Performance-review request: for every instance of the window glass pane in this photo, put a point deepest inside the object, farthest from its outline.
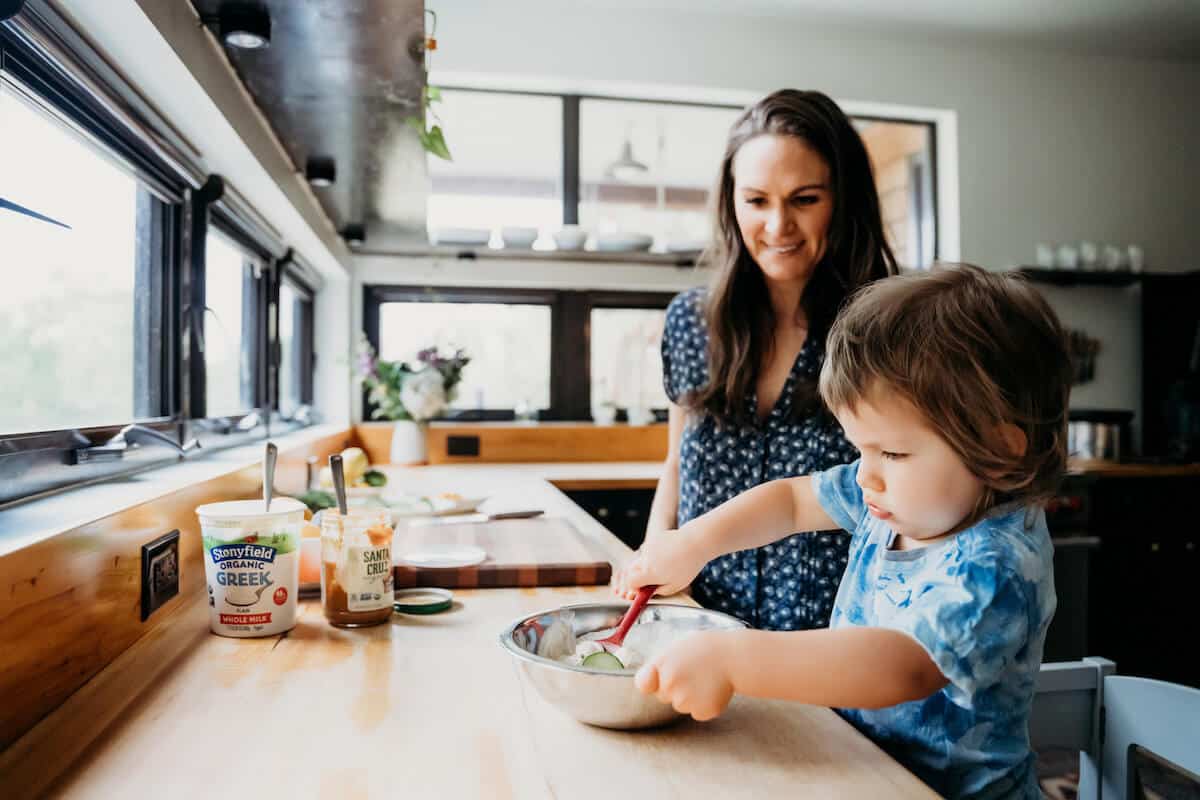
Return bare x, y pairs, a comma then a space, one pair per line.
289, 373
626, 357
902, 159
509, 347
67, 309
680, 148
226, 361
507, 165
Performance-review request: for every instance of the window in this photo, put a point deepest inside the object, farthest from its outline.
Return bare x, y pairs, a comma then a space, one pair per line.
650, 167
105, 321
507, 165
530, 350
228, 327
295, 347
901, 158
626, 358
508, 343
619, 166
67, 325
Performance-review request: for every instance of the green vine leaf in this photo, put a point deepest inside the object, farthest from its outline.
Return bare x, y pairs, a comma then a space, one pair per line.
435, 143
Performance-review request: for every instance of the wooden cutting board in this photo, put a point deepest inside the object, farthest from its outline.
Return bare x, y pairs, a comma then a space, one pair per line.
545, 551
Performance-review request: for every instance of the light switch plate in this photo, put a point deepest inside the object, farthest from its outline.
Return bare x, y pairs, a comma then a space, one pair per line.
160, 572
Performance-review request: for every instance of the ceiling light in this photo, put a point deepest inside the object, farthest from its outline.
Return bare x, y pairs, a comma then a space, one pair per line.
355, 234
244, 25
626, 167
320, 171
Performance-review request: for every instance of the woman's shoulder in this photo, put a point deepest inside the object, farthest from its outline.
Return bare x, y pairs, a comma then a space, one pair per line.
688, 305
685, 344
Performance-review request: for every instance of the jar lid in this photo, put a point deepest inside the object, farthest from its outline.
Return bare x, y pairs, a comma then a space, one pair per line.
422, 601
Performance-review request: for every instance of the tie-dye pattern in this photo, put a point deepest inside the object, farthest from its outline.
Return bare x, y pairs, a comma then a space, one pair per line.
979, 603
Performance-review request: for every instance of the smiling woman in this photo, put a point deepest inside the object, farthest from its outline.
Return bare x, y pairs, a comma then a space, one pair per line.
798, 229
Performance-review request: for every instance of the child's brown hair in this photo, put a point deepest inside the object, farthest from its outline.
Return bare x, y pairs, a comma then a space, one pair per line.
972, 350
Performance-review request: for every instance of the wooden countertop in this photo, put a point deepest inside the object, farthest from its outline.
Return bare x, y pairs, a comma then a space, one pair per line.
423, 706
1114, 469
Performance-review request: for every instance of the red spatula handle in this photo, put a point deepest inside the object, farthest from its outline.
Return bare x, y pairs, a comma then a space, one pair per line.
643, 596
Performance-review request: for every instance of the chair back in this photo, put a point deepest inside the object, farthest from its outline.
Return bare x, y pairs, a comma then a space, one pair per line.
1156, 716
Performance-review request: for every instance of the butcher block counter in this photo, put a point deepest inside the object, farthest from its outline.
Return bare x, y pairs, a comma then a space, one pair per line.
425, 706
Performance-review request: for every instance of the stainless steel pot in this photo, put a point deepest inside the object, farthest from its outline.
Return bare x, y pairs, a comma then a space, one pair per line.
1097, 434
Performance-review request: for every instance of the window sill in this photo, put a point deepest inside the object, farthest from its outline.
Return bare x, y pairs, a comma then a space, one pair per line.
35, 521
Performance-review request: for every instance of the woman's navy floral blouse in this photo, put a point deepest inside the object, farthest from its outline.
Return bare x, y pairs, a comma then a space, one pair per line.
788, 585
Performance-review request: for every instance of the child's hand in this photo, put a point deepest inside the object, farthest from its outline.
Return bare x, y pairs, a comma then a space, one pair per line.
669, 560
690, 675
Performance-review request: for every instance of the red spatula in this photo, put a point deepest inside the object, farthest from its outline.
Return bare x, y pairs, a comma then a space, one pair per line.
618, 636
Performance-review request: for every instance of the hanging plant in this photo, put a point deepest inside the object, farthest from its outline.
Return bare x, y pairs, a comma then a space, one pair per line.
430, 135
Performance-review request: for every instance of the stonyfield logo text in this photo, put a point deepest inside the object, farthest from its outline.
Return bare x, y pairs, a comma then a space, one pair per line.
242, 552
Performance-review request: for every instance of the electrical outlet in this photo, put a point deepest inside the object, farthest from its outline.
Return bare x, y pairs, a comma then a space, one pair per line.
160, 572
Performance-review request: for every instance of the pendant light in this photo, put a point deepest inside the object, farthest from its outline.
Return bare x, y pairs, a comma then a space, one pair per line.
626, 167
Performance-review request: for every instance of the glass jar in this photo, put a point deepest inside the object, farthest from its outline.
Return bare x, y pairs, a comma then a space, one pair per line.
356, 567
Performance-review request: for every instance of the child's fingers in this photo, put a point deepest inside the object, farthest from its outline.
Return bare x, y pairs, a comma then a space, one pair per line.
646, 679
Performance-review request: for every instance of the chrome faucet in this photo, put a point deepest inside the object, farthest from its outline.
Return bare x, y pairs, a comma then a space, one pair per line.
127, 438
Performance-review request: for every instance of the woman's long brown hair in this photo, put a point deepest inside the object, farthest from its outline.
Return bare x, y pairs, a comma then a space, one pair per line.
741, 321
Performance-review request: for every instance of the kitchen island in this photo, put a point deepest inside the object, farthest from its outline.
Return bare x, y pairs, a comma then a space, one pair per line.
425, 706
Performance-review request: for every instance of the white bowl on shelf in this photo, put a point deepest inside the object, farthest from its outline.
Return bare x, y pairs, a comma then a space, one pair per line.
570, 237
470, 237
623, 242
518, 237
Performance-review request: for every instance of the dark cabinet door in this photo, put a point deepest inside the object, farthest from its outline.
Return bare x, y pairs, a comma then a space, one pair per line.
1068, 636
624, 512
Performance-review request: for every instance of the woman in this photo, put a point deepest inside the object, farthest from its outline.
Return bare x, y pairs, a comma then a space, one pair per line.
798, 230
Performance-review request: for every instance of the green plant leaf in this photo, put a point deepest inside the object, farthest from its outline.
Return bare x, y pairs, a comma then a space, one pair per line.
435, 143
416, 123
433, 94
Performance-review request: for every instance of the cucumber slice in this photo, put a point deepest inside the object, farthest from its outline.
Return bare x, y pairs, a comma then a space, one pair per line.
603, 660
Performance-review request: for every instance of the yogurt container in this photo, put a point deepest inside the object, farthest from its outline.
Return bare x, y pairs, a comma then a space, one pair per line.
252, 565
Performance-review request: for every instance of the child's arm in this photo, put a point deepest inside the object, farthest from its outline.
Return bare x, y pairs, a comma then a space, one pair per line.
762, 515
846, 667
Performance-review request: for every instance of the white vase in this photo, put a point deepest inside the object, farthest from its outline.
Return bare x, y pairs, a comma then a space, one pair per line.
408, 443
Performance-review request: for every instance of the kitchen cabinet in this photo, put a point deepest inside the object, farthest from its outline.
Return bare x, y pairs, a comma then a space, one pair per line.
624, 512
1133, 592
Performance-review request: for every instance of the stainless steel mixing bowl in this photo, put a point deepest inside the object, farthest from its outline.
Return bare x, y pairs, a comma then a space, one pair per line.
598, 697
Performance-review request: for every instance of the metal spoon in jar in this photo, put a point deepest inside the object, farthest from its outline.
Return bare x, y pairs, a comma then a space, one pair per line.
339, 482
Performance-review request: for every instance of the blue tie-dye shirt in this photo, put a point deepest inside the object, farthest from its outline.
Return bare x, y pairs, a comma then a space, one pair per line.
979, 603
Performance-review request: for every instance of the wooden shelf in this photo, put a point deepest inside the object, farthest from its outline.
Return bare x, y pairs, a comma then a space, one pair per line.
688, 259
1079, 277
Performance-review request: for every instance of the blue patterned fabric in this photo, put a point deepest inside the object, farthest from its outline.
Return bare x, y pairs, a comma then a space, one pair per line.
979, 603
788, 585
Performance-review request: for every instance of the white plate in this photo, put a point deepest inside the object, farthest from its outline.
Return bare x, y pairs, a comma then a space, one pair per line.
475, 237
451, 556
408, 507
686, 245
623, 242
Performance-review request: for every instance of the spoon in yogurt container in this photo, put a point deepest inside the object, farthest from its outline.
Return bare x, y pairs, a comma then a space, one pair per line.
269, 459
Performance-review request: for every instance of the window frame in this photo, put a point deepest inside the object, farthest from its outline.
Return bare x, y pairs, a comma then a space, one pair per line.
306, 359
571, 142
47, 62
570, 338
